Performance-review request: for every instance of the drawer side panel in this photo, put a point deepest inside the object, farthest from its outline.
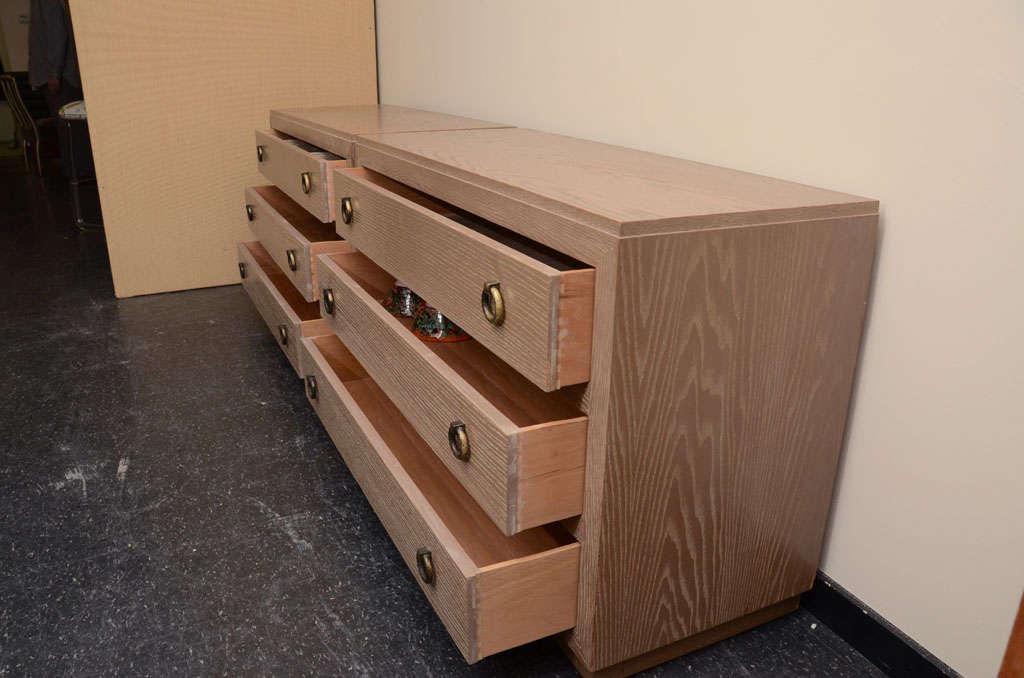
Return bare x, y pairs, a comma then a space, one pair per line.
394, 502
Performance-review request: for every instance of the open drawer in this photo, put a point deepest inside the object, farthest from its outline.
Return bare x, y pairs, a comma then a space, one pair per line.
518, 450
287, 314
301, 170
530, 305
291, 235
492, 592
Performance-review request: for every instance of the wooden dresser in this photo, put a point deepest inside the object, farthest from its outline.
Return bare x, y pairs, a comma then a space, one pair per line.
637, 448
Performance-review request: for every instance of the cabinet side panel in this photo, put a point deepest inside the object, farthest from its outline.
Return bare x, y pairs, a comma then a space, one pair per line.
731, 375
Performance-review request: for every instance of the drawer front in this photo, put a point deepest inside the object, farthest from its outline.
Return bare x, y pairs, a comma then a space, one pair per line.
282, 319
486, 608
548, 312
300, 170
290, 235
522, 476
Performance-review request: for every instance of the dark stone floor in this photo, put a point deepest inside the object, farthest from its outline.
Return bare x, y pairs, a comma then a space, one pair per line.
170, 505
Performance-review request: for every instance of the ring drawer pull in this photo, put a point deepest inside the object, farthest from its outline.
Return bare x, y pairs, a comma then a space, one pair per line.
328, 298
293, 261
282, 333
311, 386
259, 153
250, 212
425, 564
241, 269
306, 180
346, 210
492, 303
458, 440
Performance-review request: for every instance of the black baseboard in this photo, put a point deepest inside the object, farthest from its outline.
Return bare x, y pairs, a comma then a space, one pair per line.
865, 630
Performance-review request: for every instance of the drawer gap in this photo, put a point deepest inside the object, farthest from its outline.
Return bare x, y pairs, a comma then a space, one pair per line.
308, 226
524, 403
315, 151
531, 248
482, 541
305, 310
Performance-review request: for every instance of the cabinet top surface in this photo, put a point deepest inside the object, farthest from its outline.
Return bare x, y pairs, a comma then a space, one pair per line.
620, 190
348, 121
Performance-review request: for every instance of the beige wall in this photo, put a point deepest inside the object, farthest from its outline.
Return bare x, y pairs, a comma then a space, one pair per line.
919, 104
174, 90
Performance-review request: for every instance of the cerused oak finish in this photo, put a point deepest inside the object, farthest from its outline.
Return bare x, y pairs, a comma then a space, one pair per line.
491, 591
525, 466
289, 317
336, 128
705, 360
302, 171
727, 319
764, 326
548, 300
688, 644
291, 236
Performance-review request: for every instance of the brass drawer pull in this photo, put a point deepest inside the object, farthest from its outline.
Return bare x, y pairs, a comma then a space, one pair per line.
241, 269
307, 182
311, 386
425, 564
346, 210
250, 212
259, 153
293, 261
328, 298
492, 303
282, 333
458, 440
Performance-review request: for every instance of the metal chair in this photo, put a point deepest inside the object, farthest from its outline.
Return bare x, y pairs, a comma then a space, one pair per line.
28, 127
71, 113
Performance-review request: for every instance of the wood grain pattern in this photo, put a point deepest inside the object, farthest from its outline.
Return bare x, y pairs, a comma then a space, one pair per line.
522, 474
1013, 660
281, 224
512, 601
556, 230
725, 320
730, 381
686, 645
175, 90
278, 302
546, 335
574, 326
482, 576
304, 310
548, 473
613, 189
404, 511
334, 128
283, 163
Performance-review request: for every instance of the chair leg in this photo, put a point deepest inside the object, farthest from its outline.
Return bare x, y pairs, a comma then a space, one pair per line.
24, 153
39, 157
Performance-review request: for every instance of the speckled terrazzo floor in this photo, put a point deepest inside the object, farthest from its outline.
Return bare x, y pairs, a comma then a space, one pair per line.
170, 505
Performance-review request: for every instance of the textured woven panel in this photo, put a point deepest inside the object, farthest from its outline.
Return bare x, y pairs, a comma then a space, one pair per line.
174, 91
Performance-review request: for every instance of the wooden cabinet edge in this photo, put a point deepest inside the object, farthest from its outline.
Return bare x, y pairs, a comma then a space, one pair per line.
517, 601
544, 461
333, 142
575, 327
548, 473
507, 603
